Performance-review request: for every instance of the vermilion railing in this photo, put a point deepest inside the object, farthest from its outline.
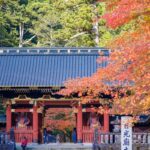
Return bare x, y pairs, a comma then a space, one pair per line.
21, 132
88, 134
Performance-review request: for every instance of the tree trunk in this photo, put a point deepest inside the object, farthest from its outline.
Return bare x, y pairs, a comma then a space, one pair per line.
95, 26
21, 33
51, 37
96, 32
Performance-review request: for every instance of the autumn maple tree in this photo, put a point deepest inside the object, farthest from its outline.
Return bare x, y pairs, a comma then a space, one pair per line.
126, 78
60, 119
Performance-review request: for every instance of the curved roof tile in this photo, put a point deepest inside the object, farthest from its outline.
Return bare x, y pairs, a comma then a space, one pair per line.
46, 69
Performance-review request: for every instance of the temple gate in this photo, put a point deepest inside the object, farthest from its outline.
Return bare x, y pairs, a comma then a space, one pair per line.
30, 79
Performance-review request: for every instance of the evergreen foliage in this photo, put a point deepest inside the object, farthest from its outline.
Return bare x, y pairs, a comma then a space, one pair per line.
40, 23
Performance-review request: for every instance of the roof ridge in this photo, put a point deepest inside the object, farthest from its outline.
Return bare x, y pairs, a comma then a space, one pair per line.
82, 50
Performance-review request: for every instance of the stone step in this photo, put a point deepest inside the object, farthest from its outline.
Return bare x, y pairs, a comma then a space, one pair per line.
71, 146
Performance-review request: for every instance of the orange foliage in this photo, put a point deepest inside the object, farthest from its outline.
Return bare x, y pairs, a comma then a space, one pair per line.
60, 119
129, 62
125, 10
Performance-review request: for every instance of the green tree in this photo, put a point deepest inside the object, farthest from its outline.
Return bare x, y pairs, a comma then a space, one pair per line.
72, 23
19, 17
66, 24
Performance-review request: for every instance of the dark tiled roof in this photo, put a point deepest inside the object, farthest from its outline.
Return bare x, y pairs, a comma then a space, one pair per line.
46, 67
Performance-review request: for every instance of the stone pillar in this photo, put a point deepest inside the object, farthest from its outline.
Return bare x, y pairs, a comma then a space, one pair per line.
35, 124
8, 118
79, 124
106, 120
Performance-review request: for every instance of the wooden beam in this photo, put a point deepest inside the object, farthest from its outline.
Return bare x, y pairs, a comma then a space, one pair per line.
56, 102
88, 110
21, 102
21, 110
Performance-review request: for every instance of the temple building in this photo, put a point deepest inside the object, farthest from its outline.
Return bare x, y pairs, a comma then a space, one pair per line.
30, 79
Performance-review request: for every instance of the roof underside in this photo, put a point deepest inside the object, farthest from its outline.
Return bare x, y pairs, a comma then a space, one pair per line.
46, 69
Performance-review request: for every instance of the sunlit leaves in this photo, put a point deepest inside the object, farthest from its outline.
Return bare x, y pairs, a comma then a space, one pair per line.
61, 119
126, 79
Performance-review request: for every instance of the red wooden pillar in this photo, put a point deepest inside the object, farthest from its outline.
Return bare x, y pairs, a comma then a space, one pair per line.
8, 118
35, 124
79, 124
106, 120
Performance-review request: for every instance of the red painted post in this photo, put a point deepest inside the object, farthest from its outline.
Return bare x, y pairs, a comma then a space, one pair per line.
106, 120
35, 124
79, 124
8, 118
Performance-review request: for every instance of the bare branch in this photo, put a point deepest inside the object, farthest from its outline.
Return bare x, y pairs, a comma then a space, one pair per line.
27, 41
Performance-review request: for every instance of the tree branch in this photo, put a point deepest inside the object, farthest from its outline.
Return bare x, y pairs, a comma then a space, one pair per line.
27, 41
